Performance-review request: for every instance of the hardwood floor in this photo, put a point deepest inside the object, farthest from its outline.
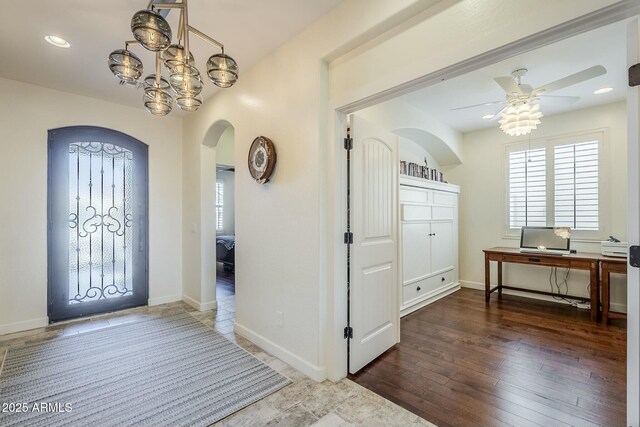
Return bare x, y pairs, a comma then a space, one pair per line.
225, 282
518, 361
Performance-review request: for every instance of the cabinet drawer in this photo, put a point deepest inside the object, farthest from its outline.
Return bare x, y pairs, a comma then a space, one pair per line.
412, 212
440, 198
442, 212
426, 286
415, 195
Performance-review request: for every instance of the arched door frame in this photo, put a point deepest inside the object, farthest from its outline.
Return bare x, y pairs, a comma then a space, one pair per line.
208, 176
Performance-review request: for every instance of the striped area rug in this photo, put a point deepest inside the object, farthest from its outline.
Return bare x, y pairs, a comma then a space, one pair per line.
169, 371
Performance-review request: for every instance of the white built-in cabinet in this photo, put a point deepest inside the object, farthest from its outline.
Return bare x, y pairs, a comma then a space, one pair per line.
428, 241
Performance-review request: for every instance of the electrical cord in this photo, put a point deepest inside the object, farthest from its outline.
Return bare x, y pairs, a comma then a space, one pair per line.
556, 286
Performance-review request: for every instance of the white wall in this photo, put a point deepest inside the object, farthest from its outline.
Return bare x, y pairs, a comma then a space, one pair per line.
405, 120
411, 152
225, 148
26, 114
481, 178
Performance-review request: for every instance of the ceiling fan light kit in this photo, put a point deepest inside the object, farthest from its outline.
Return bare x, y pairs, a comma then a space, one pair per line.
520, 120
152, 31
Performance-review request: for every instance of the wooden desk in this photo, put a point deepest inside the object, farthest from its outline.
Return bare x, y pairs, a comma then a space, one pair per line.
610, 265
579, 261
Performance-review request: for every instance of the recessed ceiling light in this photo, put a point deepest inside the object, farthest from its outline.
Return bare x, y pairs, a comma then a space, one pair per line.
57, 41
603, 90
488, 116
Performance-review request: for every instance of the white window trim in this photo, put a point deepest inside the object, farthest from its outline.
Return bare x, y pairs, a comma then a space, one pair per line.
604, 182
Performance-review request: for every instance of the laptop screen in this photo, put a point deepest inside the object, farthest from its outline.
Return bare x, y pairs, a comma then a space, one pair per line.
545, 238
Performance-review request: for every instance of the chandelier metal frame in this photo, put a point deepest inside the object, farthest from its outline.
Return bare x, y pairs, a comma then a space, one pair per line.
152, 31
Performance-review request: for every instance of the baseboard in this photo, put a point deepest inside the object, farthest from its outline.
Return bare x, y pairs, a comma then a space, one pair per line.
316, 373
440, 293
211, 305
622, 308
10, 328
163, 300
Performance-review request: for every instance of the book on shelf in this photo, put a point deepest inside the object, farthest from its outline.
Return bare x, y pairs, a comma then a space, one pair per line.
419, 171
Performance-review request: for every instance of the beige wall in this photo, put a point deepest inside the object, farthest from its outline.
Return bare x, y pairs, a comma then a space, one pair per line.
481, 178
26, 113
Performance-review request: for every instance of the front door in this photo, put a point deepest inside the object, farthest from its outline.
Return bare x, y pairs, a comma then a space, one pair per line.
374, 254
97, 220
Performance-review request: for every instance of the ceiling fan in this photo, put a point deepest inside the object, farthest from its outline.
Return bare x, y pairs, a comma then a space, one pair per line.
521, 112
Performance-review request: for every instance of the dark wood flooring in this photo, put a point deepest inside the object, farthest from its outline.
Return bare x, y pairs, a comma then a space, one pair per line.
225, 282
518, 361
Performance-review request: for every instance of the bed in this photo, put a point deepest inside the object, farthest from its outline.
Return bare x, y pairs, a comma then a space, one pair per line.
225, 251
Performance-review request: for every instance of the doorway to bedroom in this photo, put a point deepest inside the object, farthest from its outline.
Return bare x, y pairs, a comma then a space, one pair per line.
225, 219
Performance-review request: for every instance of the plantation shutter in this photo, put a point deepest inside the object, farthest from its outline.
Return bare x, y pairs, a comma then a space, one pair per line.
576, 186
219, 205
527, 188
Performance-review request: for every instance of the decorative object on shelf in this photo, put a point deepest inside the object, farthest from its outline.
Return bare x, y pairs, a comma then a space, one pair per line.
152, 31
262, 159
520, 110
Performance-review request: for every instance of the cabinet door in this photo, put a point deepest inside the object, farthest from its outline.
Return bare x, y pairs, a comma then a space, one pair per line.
442, 246
415, 250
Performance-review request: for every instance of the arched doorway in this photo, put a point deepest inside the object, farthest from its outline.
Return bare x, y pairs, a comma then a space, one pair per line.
218, 214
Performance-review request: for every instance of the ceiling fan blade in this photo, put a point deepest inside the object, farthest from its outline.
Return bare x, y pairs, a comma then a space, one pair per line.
573, 79
479, 105
568, 99
497, 116
508, 84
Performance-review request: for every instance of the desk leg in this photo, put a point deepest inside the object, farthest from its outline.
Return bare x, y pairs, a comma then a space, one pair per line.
605, 296
594, 284
499, 279
487, 278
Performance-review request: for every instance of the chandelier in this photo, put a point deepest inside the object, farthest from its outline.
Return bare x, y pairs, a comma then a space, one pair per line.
520, 119
184, 85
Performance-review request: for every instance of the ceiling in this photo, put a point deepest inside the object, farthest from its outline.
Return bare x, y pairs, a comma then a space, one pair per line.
249, 29
605, 46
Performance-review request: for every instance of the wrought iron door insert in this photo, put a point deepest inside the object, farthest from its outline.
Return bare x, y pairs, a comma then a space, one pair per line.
97, 182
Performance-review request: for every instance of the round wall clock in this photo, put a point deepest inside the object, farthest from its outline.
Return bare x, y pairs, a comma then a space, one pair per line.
262, 159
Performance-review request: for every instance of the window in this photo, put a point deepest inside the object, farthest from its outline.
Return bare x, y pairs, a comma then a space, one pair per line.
219, 205
558, 183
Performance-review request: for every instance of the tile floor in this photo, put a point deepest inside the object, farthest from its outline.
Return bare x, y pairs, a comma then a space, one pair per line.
303, 403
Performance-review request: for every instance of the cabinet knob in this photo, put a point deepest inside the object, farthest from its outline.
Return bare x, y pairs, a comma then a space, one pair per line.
442, 279
418, 288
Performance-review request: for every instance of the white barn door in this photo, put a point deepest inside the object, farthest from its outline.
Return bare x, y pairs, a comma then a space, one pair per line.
375, 316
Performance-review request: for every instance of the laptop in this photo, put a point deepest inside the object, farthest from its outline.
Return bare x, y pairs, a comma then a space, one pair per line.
545, 240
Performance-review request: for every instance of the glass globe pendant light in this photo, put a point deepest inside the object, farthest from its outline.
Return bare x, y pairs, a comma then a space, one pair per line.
185, 80
189, 103
157, 99
222, 70
173, 57
151, 30
125, 65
